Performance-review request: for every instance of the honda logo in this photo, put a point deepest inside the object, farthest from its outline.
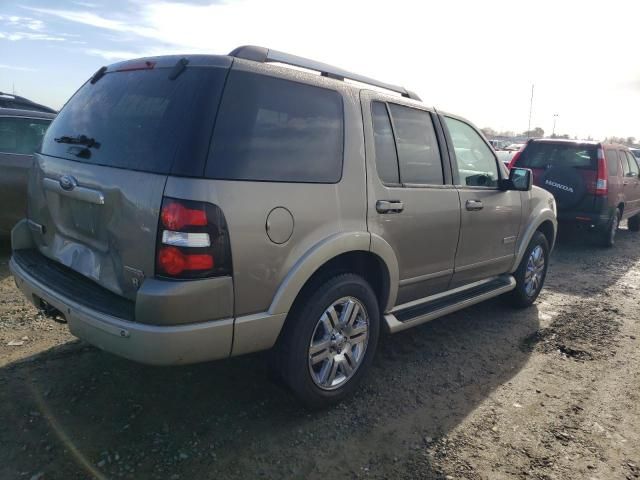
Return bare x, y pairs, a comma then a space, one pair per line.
67, 182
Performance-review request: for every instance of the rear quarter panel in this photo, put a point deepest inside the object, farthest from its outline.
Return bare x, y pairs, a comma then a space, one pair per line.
320, 211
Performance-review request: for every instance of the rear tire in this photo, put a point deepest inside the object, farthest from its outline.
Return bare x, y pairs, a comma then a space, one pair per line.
608, 239
330, 340
634, 223
531, 272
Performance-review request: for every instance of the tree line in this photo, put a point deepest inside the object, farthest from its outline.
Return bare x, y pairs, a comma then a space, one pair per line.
539, 133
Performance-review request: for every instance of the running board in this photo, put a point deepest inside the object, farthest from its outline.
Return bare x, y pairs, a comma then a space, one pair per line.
421, 311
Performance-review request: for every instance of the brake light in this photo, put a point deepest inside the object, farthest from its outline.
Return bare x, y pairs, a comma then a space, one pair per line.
130, 66
601, 180
193, 240
176, 216
515, 157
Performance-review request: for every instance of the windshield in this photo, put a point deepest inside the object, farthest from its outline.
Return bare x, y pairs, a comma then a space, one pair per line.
140, 120
547, 155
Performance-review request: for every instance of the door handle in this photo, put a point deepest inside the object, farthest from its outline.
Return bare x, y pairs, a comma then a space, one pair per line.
473, 205
389, 206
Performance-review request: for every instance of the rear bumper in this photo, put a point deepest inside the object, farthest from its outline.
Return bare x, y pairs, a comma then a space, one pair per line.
150, 344
585, 219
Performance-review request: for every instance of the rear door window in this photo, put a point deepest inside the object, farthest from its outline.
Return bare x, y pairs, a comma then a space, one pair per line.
625, 163
141, 120
633, 166
477, 165
418, 152
612, 162
385, 148
20, 135
270, 129
544, 155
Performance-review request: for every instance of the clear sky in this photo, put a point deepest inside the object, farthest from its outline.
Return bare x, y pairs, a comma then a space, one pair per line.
474, 58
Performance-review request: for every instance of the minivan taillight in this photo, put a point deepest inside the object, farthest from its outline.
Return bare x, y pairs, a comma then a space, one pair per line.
601, 181
193, 240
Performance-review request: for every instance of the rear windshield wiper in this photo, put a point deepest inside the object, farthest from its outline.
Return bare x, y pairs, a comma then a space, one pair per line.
79, 140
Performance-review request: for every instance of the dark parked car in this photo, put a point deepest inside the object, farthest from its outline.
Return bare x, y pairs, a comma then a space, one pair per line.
595, 185
21, 133
8, 100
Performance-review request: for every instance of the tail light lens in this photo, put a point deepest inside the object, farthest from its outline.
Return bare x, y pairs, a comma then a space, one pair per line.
601, 181
600, 187
193, 240
515, 157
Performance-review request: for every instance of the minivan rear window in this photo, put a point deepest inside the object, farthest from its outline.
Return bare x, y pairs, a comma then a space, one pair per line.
20, 135
270, 129
140, 120
547, 155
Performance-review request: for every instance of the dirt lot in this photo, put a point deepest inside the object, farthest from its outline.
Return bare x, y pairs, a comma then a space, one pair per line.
551, 392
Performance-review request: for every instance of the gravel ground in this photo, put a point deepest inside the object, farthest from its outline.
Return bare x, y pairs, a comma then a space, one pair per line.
550, 392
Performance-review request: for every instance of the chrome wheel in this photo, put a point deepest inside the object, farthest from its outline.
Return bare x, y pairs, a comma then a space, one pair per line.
338, 343
535, 271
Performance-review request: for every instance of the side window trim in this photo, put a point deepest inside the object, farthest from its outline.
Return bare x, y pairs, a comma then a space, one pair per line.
395, 145
454, 160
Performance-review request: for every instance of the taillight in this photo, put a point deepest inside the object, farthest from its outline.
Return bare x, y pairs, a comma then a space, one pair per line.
601, 180
515, 157
193, 240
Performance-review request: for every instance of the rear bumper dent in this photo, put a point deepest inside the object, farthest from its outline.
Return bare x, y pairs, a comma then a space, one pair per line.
150, 344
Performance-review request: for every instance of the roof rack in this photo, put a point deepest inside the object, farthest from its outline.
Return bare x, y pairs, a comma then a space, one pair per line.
263, 55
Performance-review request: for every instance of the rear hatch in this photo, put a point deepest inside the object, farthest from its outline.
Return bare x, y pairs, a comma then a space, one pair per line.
98, 182
569, 170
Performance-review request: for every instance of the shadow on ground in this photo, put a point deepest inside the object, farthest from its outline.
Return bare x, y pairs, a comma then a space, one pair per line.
76, 412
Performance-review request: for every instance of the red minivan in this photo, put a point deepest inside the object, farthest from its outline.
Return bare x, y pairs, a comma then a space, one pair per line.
595, 185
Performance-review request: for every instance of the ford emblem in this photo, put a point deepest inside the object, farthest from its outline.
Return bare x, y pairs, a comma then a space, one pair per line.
67, 182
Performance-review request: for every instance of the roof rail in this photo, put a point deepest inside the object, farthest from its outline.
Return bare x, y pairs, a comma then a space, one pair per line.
263, 55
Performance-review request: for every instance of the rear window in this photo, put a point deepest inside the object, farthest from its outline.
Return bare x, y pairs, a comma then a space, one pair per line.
547, 155
21, 135
141, 120
270, 129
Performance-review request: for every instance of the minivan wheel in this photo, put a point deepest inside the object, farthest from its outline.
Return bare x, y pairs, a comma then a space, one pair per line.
634, 223
609, 235
531, 272
330, 340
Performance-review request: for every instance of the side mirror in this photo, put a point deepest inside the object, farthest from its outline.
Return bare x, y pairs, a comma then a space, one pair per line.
520, 179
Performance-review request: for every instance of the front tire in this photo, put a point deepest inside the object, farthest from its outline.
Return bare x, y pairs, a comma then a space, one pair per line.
531, 272
330, 340
634, 223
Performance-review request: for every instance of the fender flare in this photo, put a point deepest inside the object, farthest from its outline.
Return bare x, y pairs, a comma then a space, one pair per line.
324, 251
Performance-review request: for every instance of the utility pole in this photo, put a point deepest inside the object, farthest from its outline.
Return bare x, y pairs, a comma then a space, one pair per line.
553, 134
530, 111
